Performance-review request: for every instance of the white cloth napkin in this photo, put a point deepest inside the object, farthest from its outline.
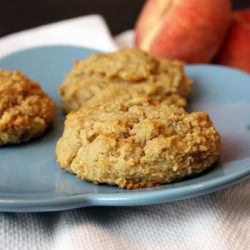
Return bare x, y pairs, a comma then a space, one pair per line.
89, 31
217, 221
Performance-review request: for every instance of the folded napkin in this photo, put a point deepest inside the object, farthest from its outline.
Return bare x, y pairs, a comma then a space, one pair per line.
89, 31
217, 221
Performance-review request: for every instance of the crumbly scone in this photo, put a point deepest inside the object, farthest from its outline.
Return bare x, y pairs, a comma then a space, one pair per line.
25, 110
138, 145
98, 79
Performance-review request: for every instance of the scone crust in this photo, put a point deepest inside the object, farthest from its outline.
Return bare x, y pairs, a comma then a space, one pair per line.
137, 146
25, 110
131, 72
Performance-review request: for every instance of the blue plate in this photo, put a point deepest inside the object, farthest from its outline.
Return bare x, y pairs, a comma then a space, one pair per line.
30, 178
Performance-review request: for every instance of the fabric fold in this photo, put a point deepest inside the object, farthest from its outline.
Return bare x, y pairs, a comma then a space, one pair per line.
88, 31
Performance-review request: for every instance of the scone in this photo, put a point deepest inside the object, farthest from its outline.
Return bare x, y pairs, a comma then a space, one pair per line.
137, 146
25, 110
99, 78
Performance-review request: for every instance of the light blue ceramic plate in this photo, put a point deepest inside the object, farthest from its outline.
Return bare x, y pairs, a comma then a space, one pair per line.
30, 179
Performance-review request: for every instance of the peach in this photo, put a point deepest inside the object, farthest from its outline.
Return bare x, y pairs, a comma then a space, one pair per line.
235, 51
189, 30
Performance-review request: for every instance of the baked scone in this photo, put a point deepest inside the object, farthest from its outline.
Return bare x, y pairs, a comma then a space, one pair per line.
25, 110
99, 78
136, 146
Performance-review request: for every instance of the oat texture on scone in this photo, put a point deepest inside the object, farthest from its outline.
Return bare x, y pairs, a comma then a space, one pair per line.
126, 74
137, 146
25, 110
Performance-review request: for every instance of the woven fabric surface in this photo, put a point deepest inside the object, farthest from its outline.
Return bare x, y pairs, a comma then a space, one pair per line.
217, 221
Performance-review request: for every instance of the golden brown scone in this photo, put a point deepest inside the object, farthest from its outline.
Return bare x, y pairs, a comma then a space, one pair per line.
25, 110
99, 78
137, 146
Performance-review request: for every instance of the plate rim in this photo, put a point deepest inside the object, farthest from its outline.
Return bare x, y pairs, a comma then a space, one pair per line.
141, 197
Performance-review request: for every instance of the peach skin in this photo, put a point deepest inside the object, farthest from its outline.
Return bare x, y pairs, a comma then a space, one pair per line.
235, 51
189, 30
